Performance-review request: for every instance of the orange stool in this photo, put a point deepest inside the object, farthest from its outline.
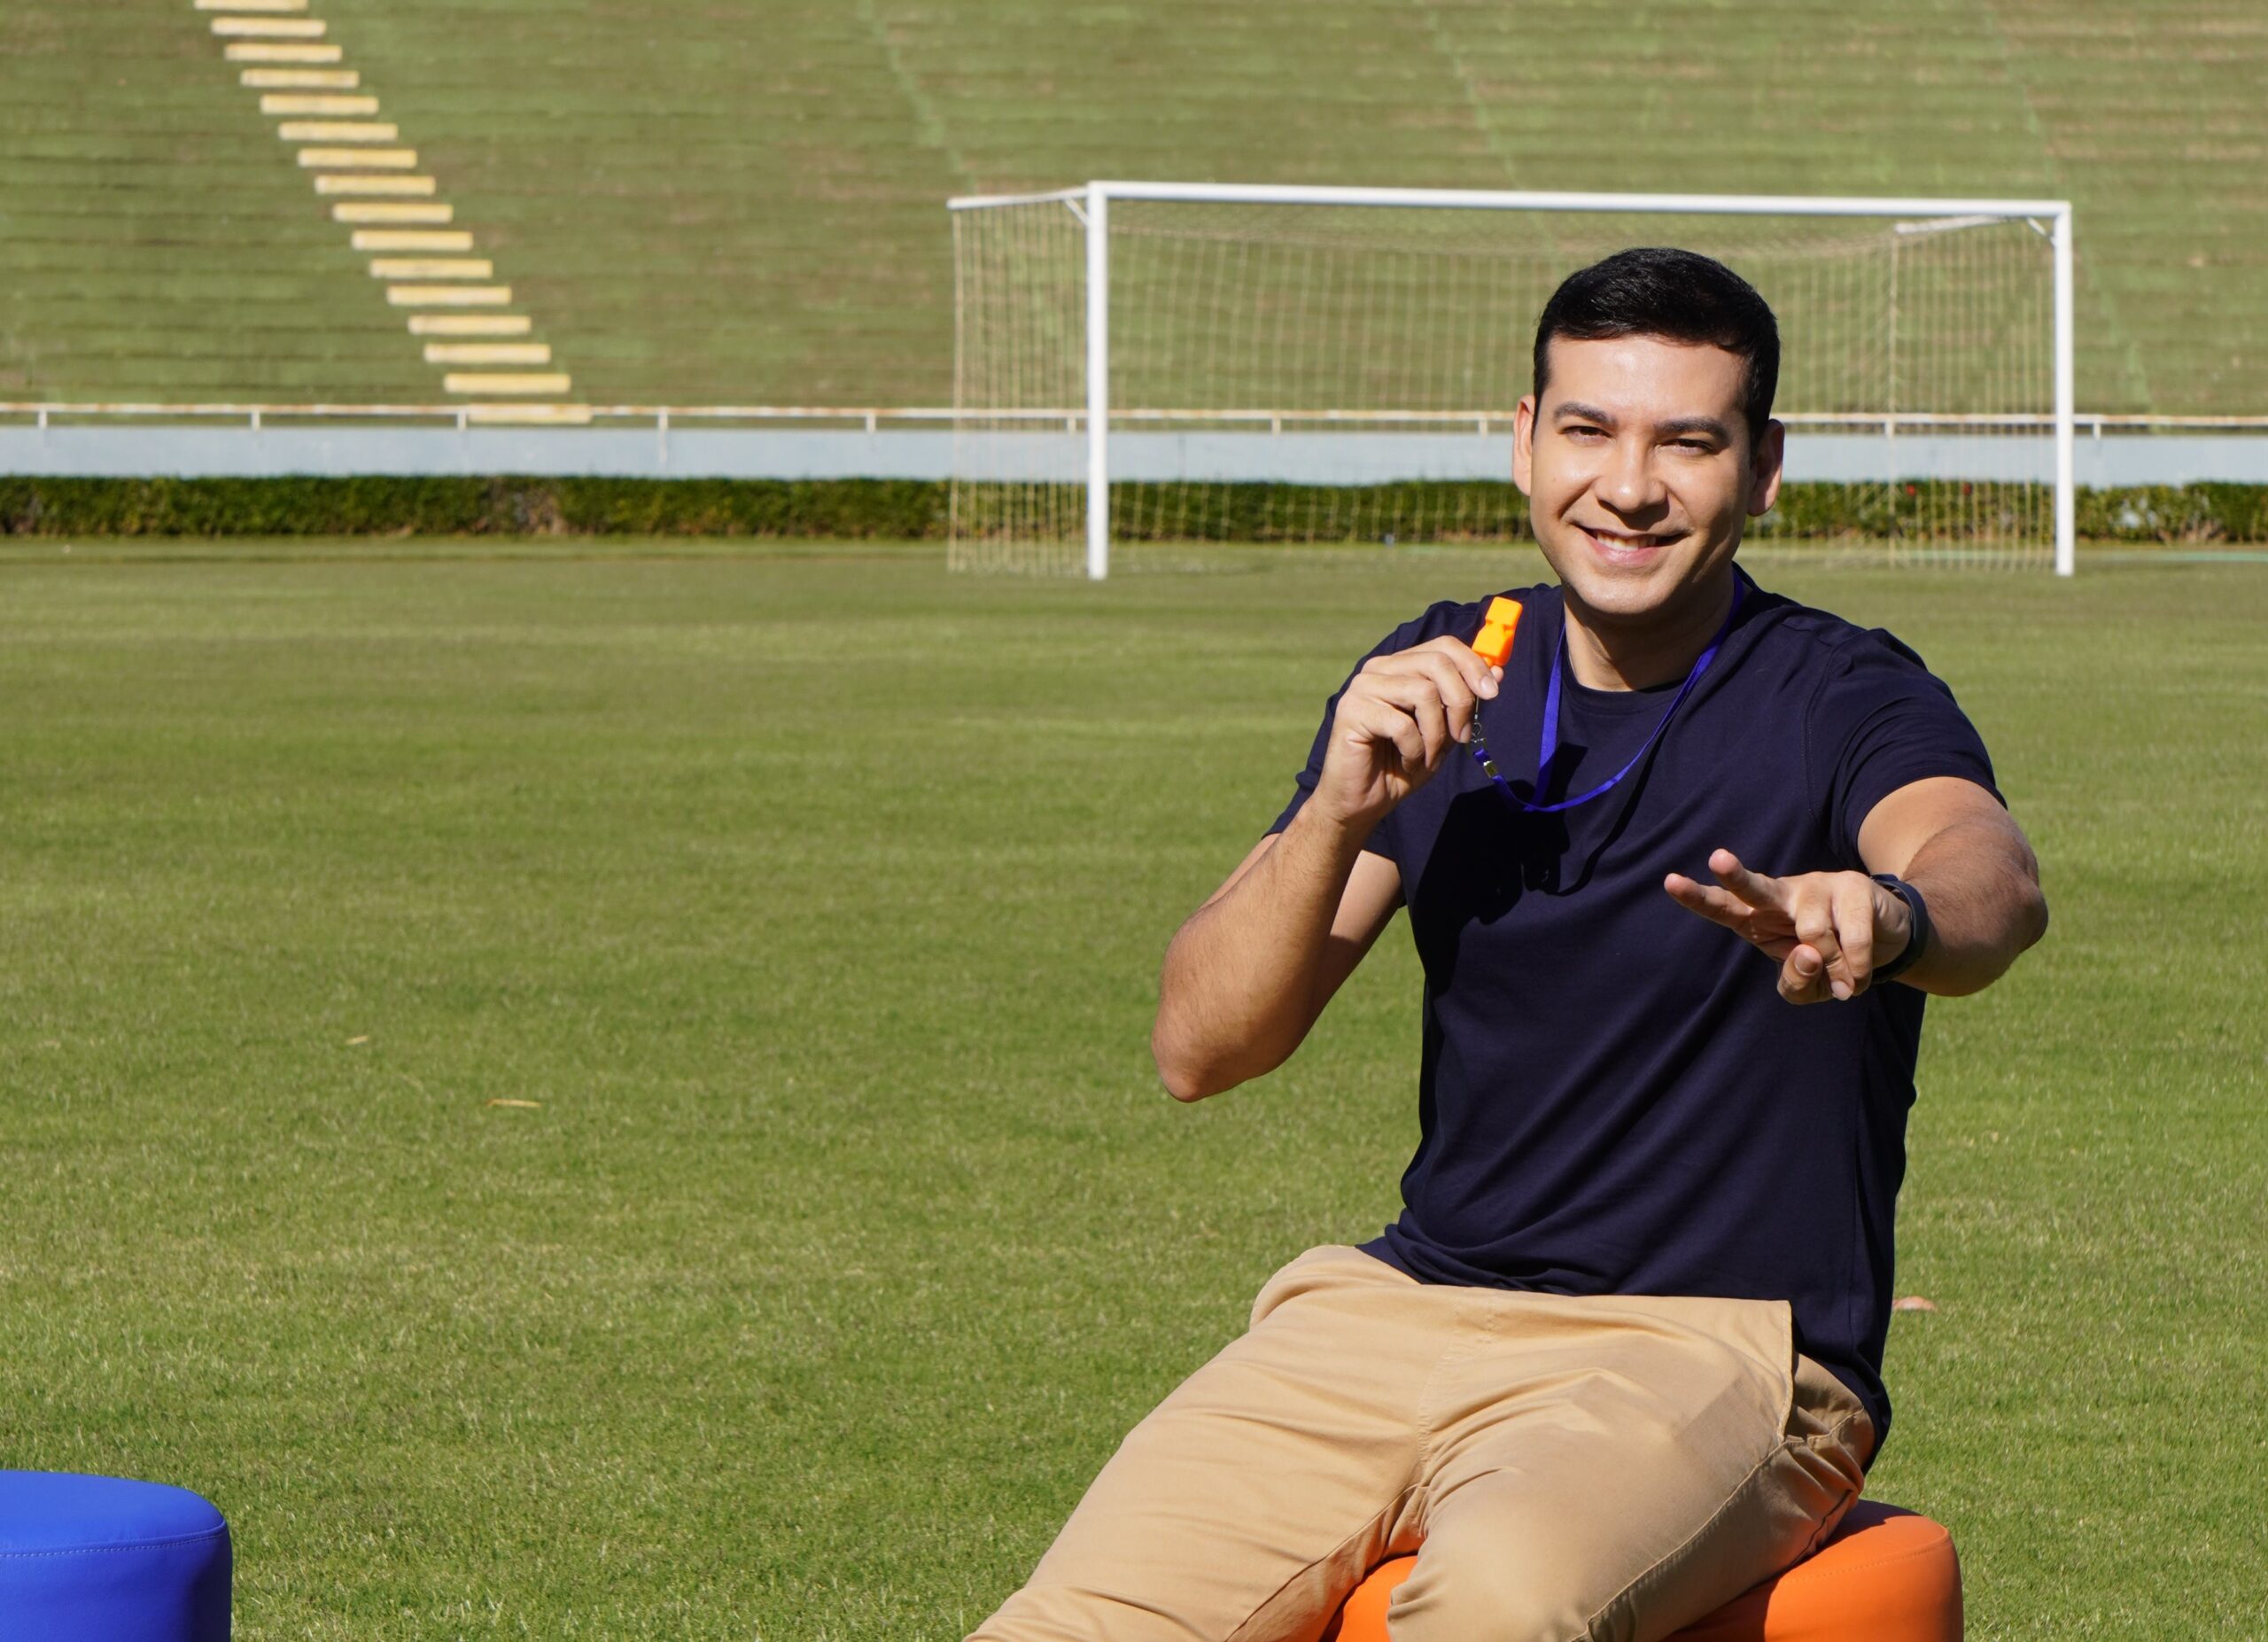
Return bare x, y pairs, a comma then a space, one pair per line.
1884, 1576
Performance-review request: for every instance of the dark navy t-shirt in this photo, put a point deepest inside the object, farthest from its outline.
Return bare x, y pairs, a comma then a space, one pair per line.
1612, 1096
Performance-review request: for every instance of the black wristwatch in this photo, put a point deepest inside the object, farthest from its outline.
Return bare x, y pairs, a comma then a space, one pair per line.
1917, 939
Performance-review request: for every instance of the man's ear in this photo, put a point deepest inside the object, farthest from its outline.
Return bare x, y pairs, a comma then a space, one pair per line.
1764, 472
1524, 444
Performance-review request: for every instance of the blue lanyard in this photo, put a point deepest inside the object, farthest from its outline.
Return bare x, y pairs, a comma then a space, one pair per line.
1549, 747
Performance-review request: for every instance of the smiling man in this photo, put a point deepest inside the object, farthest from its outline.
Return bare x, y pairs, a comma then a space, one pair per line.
1621, 1356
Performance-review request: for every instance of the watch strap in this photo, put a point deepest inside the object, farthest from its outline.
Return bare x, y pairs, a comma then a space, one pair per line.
1917, 940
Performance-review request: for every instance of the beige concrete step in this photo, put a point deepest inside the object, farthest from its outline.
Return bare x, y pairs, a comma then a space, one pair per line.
432, 268
316, 103
299, 79
252, 5
506, 384
337, 131
488, 352
469, 324
270, 27
423, 211
398, 187
413, 239
260, 51
449, 296
528, 416
361, 158
529, 382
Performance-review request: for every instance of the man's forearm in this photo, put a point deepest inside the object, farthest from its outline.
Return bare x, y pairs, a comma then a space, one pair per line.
1239, 986
1981, 884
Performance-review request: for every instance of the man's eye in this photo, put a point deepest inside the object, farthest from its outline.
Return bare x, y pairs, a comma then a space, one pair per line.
1583, 432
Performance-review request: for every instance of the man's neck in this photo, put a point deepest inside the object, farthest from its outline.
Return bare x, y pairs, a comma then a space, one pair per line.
1608, 654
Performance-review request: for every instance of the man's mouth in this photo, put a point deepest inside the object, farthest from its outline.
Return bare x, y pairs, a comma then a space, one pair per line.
1627, 547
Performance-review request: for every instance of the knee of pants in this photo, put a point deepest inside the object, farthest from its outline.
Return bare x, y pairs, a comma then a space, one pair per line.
1467, 1588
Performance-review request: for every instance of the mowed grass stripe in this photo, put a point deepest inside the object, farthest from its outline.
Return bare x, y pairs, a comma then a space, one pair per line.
817, 897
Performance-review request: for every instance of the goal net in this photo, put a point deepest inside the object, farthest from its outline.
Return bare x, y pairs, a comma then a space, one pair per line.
1143, 364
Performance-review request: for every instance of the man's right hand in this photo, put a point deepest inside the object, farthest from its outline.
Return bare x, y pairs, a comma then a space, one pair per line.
1252, 969
1398, 720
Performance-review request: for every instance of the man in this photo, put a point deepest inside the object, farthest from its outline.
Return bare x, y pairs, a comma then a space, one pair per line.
1620, 1359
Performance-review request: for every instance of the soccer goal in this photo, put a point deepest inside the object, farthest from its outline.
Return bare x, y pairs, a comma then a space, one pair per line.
1160, 362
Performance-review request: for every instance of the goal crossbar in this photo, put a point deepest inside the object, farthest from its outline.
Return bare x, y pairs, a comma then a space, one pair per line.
1531, 199
1090, 203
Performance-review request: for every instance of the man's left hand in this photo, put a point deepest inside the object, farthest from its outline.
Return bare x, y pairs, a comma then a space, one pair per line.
1830, 930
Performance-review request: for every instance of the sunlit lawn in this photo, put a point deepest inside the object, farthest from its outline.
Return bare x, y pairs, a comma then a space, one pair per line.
805, 909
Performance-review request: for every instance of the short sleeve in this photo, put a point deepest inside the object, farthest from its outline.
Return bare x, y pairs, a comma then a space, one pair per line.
1881, 720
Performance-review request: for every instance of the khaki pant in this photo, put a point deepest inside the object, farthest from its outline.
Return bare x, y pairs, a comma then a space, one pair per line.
1564, 1467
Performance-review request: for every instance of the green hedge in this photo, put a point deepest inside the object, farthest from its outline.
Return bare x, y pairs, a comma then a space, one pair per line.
917, 510
2164, 514
899, 509
2206, 512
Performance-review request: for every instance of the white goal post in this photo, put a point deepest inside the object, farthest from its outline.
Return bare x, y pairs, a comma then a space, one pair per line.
1192, 361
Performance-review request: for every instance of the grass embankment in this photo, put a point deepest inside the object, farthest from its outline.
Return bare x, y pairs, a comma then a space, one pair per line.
739, 203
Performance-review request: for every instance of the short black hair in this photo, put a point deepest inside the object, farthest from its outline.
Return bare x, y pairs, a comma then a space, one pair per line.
1656, 290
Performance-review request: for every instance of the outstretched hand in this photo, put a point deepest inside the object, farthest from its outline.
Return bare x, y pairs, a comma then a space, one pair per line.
1830, 930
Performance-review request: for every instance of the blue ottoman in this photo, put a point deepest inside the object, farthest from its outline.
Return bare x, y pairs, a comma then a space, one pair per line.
98, 1558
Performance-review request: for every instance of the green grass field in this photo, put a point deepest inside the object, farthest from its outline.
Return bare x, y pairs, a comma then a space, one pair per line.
737, 201
816, 898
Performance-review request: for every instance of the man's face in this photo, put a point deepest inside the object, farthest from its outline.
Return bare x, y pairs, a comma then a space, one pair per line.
1639, 470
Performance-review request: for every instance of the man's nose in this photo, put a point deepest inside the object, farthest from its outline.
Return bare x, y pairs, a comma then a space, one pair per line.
1631, 485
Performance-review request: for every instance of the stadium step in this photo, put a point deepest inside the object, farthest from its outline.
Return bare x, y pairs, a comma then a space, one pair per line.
299, 79
505, 382
413, 239
368, 158
270, 27
542, 416
432, 268
449, 296
420, 186
337, 131
263, 52
391, 211
488, 352
469, 324
280, 103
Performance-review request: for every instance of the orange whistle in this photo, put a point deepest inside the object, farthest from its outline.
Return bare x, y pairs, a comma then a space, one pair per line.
1494, 644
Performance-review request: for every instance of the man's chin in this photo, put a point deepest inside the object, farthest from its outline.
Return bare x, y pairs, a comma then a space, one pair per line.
1627, 585
1623, 588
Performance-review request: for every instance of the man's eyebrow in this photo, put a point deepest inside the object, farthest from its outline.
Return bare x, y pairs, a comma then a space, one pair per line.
1569, 410
1695, 424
